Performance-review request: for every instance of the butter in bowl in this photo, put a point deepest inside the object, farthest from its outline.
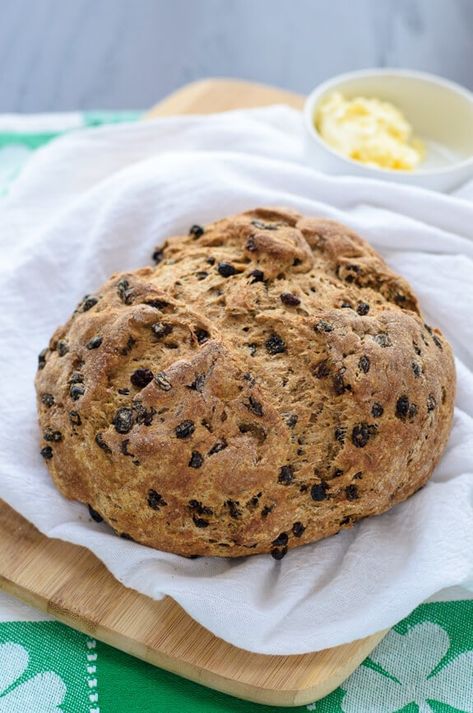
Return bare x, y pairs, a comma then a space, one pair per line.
394, 125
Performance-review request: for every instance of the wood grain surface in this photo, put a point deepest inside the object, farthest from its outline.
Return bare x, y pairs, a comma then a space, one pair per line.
208, 96
112, 54
70, 583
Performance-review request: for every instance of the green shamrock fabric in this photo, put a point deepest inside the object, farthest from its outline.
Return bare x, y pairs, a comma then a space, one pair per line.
423, 665
18, 139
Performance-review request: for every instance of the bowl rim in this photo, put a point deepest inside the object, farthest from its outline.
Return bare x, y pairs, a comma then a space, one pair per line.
442, 82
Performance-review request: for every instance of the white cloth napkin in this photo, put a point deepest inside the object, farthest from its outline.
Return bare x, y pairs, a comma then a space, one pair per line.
98, 201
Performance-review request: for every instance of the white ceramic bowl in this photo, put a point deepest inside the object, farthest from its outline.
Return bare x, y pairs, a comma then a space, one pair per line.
440, 112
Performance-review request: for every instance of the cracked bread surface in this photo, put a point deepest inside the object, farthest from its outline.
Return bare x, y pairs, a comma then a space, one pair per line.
269, 382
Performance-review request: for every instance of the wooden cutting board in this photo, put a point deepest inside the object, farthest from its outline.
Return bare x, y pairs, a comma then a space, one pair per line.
70, 583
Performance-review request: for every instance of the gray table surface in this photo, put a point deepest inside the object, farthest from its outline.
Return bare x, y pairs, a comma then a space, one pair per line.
124, 54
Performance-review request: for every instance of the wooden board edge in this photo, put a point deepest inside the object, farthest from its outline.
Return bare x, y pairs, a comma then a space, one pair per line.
227, 685
224, 94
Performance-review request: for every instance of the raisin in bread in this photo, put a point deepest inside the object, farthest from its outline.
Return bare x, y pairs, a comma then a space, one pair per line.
268, 383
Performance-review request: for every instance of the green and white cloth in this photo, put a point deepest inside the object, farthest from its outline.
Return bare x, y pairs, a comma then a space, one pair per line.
21, 134
424, 664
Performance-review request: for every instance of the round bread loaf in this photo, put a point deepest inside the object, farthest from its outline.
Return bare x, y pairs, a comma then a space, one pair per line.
269, 382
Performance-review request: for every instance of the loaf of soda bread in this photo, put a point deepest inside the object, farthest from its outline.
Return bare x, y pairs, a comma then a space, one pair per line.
267, 383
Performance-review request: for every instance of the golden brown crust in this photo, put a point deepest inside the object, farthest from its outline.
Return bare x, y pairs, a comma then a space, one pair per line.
268, 383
